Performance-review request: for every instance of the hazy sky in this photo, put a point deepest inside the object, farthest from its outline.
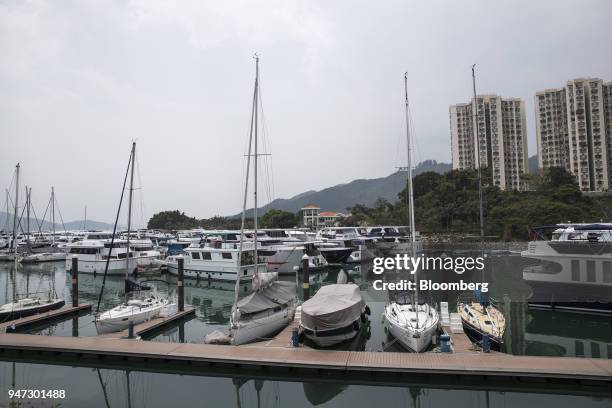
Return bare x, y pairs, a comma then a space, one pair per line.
80, 79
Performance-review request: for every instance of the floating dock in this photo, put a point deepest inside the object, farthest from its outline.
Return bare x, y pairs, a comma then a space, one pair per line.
495, 371
276, 359
65, 311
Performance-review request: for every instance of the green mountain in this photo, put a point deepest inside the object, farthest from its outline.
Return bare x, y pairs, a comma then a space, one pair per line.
363, 191
46, 226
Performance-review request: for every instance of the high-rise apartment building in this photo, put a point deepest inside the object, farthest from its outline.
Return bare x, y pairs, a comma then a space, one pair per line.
502, 138
574, 131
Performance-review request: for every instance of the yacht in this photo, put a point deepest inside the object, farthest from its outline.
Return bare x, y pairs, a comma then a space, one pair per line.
218, 262
573, 270
94, 254
393, 240
28, 306
134, 310
364, 247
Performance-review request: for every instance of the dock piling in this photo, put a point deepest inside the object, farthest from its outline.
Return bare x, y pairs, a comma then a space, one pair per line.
181, 288
305, 278
75, 281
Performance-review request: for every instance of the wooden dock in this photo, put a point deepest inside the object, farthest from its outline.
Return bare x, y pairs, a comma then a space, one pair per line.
495, 371
65, 311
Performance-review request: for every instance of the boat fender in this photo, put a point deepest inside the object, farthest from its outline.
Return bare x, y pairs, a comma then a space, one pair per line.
356, 325
363, 318
367, 310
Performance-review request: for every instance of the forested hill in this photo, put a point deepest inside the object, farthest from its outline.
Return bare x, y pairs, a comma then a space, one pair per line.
362, 191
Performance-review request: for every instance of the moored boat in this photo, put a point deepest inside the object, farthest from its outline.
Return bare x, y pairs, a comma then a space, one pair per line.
334, 314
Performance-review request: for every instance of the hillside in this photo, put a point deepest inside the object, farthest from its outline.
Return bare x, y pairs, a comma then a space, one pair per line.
71, 225
362, 191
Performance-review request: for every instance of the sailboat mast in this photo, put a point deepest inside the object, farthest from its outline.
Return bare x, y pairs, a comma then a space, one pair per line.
6, 220
256, 109
28, 191
129, 219
244, 200
15, 213
477, 155
53, 214
411, 196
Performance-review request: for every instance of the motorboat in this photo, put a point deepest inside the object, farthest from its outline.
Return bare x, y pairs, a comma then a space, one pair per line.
334, 314
572, 271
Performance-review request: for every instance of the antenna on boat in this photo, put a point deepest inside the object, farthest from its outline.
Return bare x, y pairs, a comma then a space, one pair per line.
15, 215
411, 197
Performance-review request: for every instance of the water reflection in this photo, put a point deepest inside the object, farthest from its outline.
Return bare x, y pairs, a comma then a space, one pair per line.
98, 387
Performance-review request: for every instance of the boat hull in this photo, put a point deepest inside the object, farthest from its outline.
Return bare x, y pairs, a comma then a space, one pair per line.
475, 335
17, 314
263, 327
219, 273
121, 323
328, 338
407, 338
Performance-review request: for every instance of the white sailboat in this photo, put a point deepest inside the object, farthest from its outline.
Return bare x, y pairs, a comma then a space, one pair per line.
134, 310
272, 304
410, 321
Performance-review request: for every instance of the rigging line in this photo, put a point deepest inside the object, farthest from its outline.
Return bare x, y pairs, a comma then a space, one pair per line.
140, 194
127, 171
59, 212
45, 214
269, 173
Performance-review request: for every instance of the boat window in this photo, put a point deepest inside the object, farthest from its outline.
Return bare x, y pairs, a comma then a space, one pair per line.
595, 353
607, 271
195, 255
550, 267
206, 256
226, 255
590, 271
487, 322
470, 314
575, 270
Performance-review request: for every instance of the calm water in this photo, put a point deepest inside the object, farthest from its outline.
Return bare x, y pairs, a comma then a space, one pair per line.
529, 332
89, 387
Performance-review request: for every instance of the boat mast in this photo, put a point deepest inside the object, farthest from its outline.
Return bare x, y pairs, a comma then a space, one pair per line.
129, 220
244, 202
53, 214
28, 191
477, 155
411, 197
15, 213
255, 111
6, 220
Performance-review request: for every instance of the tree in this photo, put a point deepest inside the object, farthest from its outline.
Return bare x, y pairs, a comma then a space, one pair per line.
172, 220
279, 219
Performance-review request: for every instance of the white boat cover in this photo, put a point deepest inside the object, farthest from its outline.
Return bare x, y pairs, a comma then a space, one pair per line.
332, 307
275, 294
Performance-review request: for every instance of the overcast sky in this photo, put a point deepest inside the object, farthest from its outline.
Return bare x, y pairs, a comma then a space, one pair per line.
80, 79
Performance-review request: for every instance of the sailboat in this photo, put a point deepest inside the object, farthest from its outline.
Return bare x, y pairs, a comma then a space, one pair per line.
131, 310
51, 256
27, 305
272, 304
479, 316
411, 321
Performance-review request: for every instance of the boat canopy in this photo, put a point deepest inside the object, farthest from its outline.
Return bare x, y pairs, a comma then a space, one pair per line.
593, 227
332, 307
275, 294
